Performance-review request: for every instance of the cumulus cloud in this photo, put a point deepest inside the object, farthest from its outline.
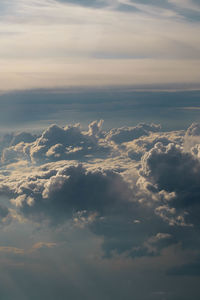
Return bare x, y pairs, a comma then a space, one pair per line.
12, 139
176, 173
125, 134
57, 143
103, 200
137, 207
192, 136
193, 130
72, 189
91, 196
25, 137
138, 147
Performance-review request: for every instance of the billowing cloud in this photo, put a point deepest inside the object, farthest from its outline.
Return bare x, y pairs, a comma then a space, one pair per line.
192, 138
100, 194
138, 147
57, 143
138, 206
193, 130
173, 176
89, 196
125, 134
72, 189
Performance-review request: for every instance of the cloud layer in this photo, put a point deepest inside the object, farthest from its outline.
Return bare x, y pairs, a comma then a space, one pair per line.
135, 186
105, 200
82, 43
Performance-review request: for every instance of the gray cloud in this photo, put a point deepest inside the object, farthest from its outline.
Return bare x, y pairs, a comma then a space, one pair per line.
125, 134
138, 147
25, 137
171, 176
71, 189
101, 199
87, 196
10, 140
193, 130
4, 213
57, 143
137, 214
172, 170
192, 138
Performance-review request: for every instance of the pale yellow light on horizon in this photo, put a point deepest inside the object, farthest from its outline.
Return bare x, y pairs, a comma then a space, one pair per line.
98, 73
65, 45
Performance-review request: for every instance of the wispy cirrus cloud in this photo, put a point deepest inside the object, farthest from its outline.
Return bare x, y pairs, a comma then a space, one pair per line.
81, 45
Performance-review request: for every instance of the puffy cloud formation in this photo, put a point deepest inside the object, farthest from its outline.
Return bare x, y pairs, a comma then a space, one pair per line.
25, 137
192, 138
177, 173
193, 130
125, 134
170, 168
57, 143
138, 147
92, 196
12, 139
87, 180
62, 192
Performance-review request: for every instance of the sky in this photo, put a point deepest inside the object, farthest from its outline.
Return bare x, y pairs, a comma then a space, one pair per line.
99, 149
93, 43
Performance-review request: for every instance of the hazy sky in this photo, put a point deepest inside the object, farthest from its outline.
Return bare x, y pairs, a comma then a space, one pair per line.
47, 43
99, 149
